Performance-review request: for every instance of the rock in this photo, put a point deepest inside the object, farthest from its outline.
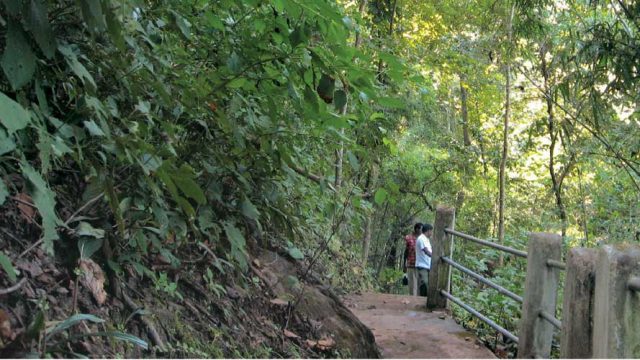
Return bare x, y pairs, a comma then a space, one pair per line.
442, 317
466, 338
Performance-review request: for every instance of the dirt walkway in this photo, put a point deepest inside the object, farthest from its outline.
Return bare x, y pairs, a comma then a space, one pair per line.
403, 329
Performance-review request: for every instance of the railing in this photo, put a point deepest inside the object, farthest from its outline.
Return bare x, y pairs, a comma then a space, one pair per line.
589, 328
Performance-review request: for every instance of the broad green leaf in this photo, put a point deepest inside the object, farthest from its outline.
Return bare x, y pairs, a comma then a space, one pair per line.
85, 229
18, 61
183, 178
13, 116
391, 102
38, 23
93, 128
249, 210
93, 15
295, 253
234, 235
353, 160
3, 192
234, 63
76, 66
380, 196
114, 27
89, 246
8, 268
6, 143
237, 83
45, 200
183, 24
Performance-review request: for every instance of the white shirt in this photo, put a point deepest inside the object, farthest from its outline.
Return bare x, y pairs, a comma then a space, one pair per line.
423, 260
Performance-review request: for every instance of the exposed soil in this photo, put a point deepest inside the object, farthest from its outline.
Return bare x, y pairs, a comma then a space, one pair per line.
404, 329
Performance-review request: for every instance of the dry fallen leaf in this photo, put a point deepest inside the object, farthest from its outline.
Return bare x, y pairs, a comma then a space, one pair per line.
28, 212
280, 302
5, 327
405, 301
290, 334
322, 345
92, 277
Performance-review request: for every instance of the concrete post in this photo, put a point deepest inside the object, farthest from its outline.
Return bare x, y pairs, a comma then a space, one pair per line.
616, 319
577, 315
540, 292
441, 246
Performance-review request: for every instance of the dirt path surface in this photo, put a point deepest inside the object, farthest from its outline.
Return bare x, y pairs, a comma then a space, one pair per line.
404, 329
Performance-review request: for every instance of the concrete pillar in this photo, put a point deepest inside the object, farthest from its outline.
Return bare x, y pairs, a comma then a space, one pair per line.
540, 292
616, 319
577, 314
441, 246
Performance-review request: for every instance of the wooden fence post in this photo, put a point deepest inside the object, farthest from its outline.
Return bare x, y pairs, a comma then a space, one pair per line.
577, 314
540, 292
441, 246
616, 319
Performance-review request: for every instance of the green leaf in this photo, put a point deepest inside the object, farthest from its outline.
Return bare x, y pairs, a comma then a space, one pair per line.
8, 268
88, 247
85, 229
38, 23
122, 336
234, 63
185, 182
353, 160
71, 321
183, 24
237, 83
93, 15
114, 26
234, 235
249, 210
18, 61
380, 196
391, 102
13, 116
295, 253
45, 201
3, 192
93, 128
75, 65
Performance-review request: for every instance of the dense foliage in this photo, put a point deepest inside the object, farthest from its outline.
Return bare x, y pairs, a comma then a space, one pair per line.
145, 130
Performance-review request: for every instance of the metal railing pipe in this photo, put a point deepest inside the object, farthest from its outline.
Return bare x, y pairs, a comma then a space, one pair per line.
473, 311
487, 243
556, 264
483, 280
634, 284
550, 318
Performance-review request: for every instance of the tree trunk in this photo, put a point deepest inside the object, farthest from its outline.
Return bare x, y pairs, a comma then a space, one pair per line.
358, 41
366, 240
465, 115
553, 136
505, 137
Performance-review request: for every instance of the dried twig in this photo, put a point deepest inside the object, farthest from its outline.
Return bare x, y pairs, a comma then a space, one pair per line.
14, 287
153, 333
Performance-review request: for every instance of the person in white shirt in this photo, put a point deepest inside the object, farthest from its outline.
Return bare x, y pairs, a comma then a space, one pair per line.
423, 254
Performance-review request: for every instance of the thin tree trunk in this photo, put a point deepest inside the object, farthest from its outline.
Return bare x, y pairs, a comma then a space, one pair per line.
505, 138
553, 135
343, 111
465, 115
366, 240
